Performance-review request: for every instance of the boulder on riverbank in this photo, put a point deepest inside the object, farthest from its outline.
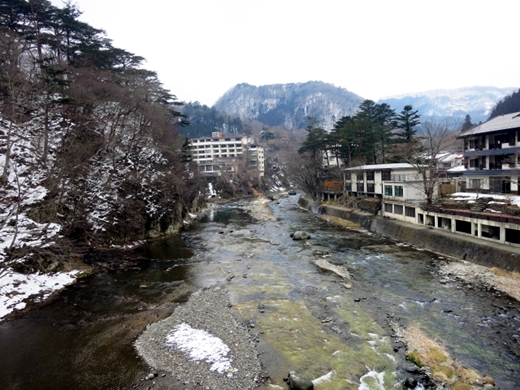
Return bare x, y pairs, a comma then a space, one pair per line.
337, 269
259, 209
298, 382
300, 235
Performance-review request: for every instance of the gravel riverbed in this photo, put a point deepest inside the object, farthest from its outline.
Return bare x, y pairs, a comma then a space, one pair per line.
207, 310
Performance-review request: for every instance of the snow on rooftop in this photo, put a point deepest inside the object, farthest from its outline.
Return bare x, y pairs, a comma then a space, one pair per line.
459, 168
515, 200
201, 345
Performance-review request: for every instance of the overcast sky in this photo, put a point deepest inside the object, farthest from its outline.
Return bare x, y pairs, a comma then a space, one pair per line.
202, 48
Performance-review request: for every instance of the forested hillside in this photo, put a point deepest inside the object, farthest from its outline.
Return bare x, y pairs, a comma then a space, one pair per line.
89, 147
508, 105
204, 120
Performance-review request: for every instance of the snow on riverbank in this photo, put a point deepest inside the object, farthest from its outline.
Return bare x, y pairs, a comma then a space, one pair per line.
15, 288
201, 342
201, 345
23, 189
17, 230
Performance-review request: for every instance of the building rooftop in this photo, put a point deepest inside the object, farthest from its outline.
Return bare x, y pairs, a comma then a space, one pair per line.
459, 168
502, 122
381, 167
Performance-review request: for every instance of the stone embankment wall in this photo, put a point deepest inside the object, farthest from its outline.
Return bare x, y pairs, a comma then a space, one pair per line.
437, 240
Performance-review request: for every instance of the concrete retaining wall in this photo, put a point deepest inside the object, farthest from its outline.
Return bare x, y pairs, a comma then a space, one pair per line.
436, 240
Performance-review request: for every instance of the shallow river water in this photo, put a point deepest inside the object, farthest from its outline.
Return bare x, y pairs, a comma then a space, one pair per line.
305, 319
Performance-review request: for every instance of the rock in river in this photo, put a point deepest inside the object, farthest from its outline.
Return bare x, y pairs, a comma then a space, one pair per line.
298, 382
300, 235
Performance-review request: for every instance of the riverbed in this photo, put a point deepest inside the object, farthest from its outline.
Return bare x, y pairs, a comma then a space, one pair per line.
300, 316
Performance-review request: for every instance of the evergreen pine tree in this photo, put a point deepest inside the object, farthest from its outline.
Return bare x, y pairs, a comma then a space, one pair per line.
467, 123
407, 120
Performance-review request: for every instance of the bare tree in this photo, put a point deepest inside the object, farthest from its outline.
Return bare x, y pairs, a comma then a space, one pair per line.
305, 171
424, 152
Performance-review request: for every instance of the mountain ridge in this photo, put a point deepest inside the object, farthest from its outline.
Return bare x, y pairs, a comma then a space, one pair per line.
289, 104
476, 101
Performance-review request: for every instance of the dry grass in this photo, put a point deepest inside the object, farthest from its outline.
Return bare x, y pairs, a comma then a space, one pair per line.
339, 221
505, 281
508, 282
425, 352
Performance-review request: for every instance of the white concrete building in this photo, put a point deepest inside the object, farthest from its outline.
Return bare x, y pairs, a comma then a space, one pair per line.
399, 186
219, 152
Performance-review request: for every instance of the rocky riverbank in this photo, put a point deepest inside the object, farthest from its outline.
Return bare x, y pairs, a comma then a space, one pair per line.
479, 276
231, 362
202, 344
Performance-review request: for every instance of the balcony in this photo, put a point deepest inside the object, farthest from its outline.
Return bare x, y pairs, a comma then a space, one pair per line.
331, 187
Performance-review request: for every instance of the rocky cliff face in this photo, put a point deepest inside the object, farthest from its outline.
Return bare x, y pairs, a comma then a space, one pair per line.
289, 104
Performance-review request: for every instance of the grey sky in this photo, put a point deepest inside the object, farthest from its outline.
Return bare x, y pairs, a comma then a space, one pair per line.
201, 48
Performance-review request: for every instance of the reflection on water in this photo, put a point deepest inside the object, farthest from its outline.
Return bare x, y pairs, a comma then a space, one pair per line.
83, 339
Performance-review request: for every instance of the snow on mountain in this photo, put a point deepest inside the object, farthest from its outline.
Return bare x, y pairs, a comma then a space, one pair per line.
475, 101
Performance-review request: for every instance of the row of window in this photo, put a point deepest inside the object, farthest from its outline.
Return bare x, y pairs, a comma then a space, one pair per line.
218, 151
398, 209
390, 190
216, 140
385, 175
394, 190
219, 146
220, 155
494, 142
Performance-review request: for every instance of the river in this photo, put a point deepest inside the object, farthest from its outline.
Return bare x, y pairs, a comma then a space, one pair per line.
305, 318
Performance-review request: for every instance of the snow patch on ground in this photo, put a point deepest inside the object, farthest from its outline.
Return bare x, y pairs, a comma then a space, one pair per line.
23, 189
201, 345
15, 288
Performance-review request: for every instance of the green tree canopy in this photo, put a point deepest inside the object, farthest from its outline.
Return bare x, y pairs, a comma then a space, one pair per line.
406, 121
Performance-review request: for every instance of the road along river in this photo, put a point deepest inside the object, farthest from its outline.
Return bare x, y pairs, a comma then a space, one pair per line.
339, 332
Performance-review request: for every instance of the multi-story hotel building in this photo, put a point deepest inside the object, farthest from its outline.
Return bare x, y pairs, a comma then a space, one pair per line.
218, 152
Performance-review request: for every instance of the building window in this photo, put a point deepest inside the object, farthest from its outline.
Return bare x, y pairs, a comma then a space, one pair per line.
360, 187
398, 191
409, 211
386, 175
388, 190
473, 143
389, 208
348, 186
370, 187
370, 175
398, 209
360, 176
